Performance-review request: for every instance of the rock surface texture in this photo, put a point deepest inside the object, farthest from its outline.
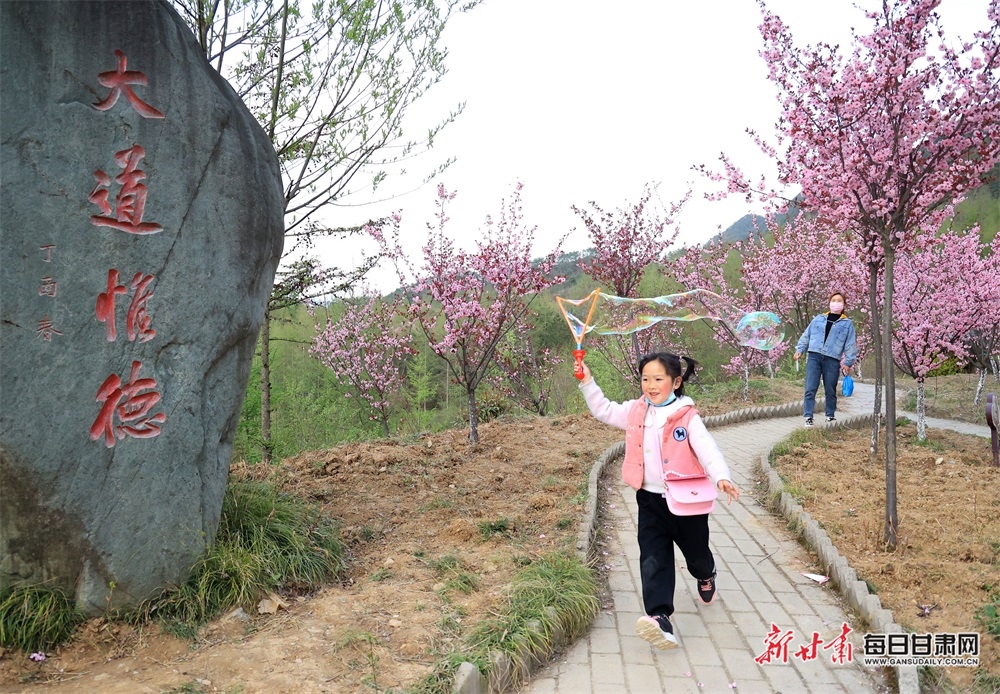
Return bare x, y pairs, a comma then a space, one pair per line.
140, 230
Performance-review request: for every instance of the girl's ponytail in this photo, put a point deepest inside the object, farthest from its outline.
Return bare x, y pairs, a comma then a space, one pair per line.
688, 373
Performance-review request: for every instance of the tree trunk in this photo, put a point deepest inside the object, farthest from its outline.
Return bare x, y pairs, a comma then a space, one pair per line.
473, 418
638, 356
385, 424
265, 388
921, 411
980, 386
877, 347
891, 516
746, 382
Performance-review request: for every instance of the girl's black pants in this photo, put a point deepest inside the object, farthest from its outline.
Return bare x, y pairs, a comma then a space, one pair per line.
659, 530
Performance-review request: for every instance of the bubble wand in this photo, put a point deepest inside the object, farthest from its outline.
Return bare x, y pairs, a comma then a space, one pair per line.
578, 328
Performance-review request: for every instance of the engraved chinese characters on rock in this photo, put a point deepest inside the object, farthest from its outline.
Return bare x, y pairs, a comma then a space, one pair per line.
126, 409
137, 320
130, 405
48, 287
130, 202
119, 81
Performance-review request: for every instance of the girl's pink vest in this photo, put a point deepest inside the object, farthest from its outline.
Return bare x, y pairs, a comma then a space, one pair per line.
678, 456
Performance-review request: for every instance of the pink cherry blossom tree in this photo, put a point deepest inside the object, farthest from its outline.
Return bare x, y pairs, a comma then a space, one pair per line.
705, 268
982, 342
367, 347
934, 308
626, 243
524, 372
885, 141
467, 303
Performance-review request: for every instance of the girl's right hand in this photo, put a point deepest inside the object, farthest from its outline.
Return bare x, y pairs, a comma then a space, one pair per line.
587, 378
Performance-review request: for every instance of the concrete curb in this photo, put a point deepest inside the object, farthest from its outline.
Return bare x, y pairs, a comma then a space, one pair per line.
854, 591
468, 678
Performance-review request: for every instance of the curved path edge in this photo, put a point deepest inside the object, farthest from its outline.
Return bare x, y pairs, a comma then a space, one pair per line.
854, 591
468, 678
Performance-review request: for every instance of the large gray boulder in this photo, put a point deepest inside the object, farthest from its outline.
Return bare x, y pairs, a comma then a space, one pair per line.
140, 230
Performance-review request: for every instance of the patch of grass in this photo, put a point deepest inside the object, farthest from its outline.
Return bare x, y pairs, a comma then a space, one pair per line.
267, 541
986, 682
36, 617
549, 481
523, 625
930, 443
382, 574
564, 523
452, 567
437, 503
989, 614
582, 489
500, 526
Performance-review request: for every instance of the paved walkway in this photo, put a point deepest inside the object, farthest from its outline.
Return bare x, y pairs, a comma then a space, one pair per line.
760, 582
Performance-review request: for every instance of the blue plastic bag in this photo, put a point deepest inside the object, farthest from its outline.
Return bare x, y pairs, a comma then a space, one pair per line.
847, 387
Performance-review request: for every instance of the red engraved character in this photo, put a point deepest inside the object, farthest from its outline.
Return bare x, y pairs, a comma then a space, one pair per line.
130, 203
48, 252
777, 645
119, 80
106, 305
131, 405
47, 287
138, 323
46, 330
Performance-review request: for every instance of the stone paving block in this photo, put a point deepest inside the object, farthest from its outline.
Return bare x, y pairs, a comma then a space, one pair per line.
783, 678
757, 591
736, 600
776, 582
854, 679
701, 650
579, 652
774, 613
818, 674
642, 678
605, 620
576, 681
727, 636
716, 613
739, 568
627, 601
682, 685
753, 687
544, 685
794, 604
712, 678
740, 665
635, 651
750, 548
689, 625
607, 670
620, 580
604, 641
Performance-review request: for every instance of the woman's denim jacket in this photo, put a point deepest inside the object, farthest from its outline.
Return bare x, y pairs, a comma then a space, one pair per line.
841, 342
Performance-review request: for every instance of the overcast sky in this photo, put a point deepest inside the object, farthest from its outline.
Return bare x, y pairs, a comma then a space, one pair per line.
584, 100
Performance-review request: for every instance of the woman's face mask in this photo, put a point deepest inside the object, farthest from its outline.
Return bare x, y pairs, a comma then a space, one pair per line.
836, 307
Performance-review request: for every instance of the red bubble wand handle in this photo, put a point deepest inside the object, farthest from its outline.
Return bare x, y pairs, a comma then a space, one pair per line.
578, 328
578, 355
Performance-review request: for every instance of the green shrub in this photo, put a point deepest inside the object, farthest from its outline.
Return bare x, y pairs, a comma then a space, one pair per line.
36, 617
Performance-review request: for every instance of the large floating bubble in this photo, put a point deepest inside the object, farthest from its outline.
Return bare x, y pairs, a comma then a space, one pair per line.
615, 315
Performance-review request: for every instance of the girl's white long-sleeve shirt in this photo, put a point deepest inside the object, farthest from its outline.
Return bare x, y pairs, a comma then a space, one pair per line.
704, 446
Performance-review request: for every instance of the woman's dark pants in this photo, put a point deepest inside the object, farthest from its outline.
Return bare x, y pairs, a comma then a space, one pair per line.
659, 529
821, 366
